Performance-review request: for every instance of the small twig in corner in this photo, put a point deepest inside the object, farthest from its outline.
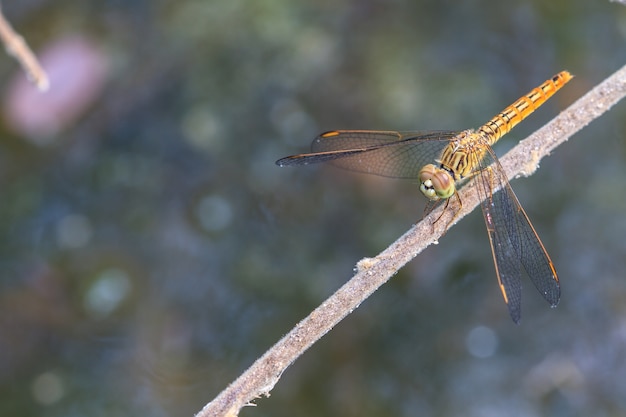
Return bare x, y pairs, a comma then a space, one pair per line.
16, 46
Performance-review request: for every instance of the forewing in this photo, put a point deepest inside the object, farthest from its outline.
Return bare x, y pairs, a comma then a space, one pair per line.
514, 241
505, 257
384, 153
533, 254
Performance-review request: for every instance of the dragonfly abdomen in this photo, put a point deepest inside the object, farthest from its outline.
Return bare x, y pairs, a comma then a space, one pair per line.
508, 118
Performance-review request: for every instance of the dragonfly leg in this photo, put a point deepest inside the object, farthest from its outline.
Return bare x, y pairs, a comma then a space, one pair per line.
456, 212
431, 205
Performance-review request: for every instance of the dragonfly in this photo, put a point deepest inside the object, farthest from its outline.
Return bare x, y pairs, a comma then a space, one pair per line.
442, 161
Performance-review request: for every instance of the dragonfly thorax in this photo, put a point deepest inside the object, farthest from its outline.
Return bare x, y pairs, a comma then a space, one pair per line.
436, 183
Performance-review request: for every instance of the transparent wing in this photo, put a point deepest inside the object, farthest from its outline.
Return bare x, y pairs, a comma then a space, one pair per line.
384, 153
514, 241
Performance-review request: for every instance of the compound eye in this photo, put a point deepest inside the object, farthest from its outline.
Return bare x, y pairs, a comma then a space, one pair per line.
436, 183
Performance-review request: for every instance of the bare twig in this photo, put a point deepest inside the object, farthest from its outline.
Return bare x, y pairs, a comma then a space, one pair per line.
261, 377
16, 46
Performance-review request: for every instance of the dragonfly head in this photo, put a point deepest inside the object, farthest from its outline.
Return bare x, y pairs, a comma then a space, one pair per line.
436, 183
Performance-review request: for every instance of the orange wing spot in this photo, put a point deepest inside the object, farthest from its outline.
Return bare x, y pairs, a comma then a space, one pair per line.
503, 290
330, 134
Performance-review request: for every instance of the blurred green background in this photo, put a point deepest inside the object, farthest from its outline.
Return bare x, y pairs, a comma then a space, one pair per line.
150, 250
